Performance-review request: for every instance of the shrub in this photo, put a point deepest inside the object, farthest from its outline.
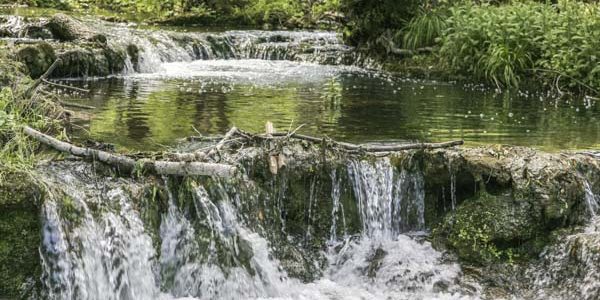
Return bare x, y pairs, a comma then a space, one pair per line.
506, 43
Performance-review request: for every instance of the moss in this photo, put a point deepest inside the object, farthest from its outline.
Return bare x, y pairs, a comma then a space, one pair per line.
20, 228
64, 28
69, 211
491, 228
37, 58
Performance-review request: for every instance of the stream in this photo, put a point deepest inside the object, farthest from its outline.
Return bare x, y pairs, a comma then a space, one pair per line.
358, 230
243, 78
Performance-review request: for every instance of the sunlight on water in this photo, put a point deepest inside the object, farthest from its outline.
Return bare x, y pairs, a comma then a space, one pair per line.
154, 109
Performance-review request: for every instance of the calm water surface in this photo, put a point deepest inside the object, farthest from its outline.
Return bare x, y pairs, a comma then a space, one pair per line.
150, 111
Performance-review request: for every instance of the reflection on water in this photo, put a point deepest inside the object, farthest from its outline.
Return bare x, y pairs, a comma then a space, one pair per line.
146, 111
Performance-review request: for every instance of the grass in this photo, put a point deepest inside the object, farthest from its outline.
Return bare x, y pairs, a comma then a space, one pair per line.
506, 44
17, 151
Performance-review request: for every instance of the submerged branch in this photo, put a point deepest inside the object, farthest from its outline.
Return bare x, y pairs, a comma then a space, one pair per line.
65, 86
158, 167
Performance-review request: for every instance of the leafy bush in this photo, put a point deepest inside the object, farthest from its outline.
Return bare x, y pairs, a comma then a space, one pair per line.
424, 29
274, 12
504, 44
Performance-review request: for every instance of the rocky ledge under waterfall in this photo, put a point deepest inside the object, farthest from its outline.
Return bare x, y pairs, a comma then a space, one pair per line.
499, 211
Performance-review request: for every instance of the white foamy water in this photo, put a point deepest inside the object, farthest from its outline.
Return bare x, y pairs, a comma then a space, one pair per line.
247, 71
101, 249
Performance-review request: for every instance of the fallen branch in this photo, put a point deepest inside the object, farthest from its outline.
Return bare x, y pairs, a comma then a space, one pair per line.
76, 105
64, 86
30, 91
127, 163
367, 147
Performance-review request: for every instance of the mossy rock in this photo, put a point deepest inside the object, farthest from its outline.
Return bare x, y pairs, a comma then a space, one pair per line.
37, 58
491, 228
35, 31
65, 28
20, 229
90, 61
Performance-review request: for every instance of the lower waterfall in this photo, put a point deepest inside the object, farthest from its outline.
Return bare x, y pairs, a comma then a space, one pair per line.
99, 244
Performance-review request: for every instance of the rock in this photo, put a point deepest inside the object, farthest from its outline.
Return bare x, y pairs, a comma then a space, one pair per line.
37, 58
134, 54
65, 28
82, 62
20, 229
90, 61
34, 31
100, 39
518, 196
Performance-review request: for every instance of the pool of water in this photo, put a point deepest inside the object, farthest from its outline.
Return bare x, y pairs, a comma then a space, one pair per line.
153, 110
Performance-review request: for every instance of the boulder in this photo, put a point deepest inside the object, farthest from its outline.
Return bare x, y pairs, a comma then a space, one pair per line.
37, 58
518, 197
65, 28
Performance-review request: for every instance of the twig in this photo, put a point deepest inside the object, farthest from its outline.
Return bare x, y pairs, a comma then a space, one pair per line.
571, 77
295, 130
201, 154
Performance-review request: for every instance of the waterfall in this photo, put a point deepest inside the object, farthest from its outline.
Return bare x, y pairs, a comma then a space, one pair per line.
98, 244
591, 199
148, 50
389, 202
97, 256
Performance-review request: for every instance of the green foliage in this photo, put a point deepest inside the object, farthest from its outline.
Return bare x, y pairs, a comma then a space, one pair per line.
291, 13
506, 43
368, 20
424, 29
473, 236
277, 12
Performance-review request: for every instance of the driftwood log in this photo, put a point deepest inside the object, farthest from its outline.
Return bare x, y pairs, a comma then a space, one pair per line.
127, 163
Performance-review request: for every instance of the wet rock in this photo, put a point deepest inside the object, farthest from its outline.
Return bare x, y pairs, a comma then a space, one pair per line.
520, 196
65, 28
20, 231
37, 58
85, 62
375, 262
441, 286
134, 54
98, 38
35, 31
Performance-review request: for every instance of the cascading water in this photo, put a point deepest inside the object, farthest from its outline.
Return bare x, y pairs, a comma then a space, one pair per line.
98, 243
149, 49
